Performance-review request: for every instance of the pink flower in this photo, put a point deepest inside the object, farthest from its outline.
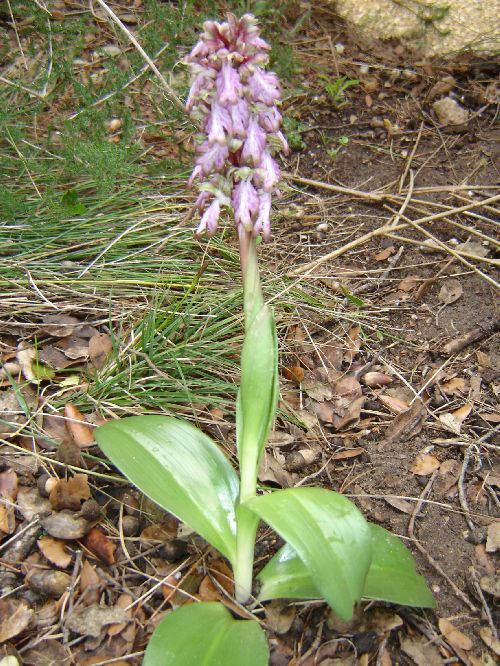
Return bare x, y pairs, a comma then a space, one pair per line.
254, 144
209, 219
264, 87
245, 204
283, 141
228, 84
268, 171
211, 157
239, 116
219, 124
263, 222
270, 119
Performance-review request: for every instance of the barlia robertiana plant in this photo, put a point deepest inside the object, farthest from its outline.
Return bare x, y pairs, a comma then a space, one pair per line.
331, 552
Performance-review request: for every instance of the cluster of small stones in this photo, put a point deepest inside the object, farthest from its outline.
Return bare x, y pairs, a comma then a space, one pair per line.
235, 103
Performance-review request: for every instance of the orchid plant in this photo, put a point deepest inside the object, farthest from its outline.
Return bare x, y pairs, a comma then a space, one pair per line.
331, 552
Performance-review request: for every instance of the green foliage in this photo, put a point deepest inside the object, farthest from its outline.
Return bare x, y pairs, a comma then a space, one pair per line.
391, 577
330, 536
181, 469
343, 142
205, 633
293, 130
336, 89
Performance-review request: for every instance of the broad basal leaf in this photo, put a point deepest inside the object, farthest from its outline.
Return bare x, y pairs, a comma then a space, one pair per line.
258, 394
181, 469
391, 577
330, 536
205, 634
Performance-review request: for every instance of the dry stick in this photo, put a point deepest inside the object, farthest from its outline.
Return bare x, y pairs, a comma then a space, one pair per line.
410, 160
458, 592
371, 196
143, 53
305, 269
461, 493
449, 250
486, 608
477, 333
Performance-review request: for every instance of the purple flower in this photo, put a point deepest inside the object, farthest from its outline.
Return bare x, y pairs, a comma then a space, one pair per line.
254, 144
263, 222
268, 172
245, 204
209, 219
240, 114
270, 119
228, 84
219, 124
234, 102
211, 157
264, 87
283, 141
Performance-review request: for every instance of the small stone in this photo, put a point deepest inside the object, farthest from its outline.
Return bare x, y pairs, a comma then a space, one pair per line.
90, 510
173, 550
449, 112
66, 525
130, 526
48, 582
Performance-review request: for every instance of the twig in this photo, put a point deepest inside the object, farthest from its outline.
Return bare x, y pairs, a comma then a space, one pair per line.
461, 493
371, 196
484, 603
71, 600
477, 333
458, 592
168, 89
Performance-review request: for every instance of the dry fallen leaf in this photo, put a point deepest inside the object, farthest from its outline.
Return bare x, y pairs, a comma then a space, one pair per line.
395, 405
280, 616
455, 637
451, 291
30, 503
408, 283
421, 651
492, 642
424, 464
317, 390
452, 421
100, 545
385, 253
70, 493
15, 616
8, 485
54, 551
90, 583
294, 373
47, 653
455, 386
91, 620
79, 430
74, 347
376, 379
406, 424
59, 325
493, 540
123, 602
100, 346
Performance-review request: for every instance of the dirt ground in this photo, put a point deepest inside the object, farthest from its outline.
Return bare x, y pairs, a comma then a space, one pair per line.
394, 404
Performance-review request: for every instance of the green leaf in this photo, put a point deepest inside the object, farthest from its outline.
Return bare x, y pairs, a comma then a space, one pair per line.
179, 468
391, 577
330, 536
258, 394
205, 634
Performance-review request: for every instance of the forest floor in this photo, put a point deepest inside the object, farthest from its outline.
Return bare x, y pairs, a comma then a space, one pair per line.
382, 270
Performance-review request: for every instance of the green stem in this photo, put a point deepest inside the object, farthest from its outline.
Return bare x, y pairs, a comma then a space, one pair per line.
245, 543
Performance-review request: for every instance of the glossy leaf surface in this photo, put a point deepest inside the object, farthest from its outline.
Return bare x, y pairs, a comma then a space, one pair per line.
205, 634
179, 468
392, 576
330, 536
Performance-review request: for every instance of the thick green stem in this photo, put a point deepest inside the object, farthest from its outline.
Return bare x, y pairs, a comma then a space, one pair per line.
245, 544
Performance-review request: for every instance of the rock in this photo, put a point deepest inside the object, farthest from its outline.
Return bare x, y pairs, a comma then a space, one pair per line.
66, 525
449, 112
48, 582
